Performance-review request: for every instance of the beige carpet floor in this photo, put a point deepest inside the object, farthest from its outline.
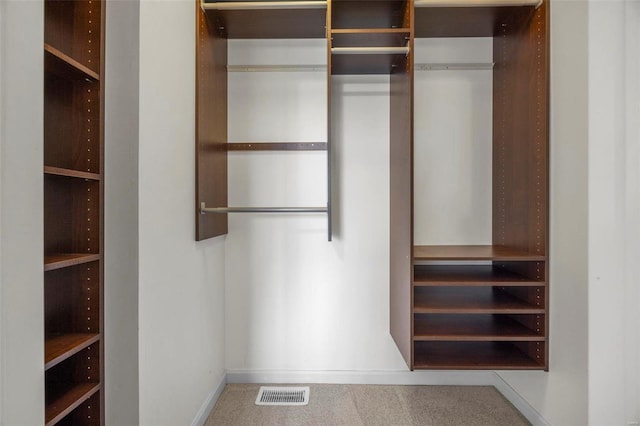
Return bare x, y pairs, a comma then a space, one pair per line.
353, 405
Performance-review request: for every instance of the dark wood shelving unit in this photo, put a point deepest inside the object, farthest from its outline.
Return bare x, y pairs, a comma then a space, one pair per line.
73, 210
470, 306
217, 22
376, 24
453, 307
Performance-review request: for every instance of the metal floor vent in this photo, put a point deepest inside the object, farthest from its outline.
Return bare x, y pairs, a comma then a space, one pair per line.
278, 395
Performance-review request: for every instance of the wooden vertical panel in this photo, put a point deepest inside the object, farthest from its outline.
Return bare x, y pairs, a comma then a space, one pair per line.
521, 139
72, 123
401, 198
74, 27
72, 302
211, 125
520, 195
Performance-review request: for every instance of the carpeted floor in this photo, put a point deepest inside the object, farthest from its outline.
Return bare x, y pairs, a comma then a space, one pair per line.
353, 405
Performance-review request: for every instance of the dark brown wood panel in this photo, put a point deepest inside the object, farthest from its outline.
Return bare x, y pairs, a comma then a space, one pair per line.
71, 123
369, 14
269, 24
469, 275
277, 146
74, 28
211, 125
478, 327
394, 37
464, 21
72, 300
359, 64
520, 136
71, 215
401, 199
473, 356
470, 300
473, 253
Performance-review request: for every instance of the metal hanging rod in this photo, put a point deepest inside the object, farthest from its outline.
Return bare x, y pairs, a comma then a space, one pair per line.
454, 66
257, 5
370, 50
476, 3
204, 209
276, 68
323, 68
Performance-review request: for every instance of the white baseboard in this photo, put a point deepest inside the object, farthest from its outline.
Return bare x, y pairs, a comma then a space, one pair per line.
424, 378
519, 402
443, 378
206, 408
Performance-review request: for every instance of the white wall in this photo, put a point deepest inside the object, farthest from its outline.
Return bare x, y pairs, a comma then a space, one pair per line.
294, 300
453, 123
181, 282
560, 395
121, 213
614, 222
21, 201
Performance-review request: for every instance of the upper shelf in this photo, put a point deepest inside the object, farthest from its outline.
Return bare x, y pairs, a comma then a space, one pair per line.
268, 19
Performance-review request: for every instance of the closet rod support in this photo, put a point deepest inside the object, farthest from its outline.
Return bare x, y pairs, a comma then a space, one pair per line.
370, 50
204, 209
259, 5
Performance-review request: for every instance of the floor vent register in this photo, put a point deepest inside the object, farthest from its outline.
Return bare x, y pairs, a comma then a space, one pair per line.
278, 395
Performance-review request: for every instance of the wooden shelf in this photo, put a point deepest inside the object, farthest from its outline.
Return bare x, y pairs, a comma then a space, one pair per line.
60, 347
469, 275
495, 253
471, 328
471, 356
68, 401
58, 261
59, 171
65, 66
469, 300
